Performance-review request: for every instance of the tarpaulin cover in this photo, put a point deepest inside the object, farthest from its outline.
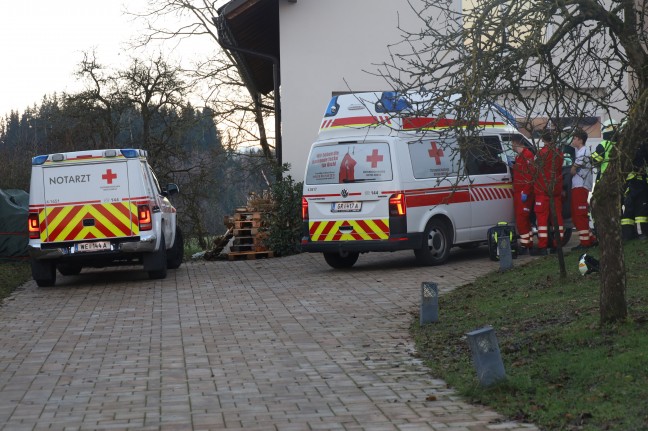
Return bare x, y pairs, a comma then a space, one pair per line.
14, 207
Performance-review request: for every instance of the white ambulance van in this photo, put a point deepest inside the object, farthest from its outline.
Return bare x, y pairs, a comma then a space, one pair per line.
381, 177
98, 208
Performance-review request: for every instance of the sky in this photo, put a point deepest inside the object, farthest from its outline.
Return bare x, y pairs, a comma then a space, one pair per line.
43, 42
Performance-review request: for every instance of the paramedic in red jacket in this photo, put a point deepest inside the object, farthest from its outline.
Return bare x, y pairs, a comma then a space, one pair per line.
523, 195
548, 186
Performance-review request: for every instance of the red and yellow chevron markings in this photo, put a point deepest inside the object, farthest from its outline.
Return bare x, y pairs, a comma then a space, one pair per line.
349, 230
111, 220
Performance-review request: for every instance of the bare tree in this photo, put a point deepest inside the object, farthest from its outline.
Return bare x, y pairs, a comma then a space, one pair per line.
146, 105
557, 59
241, 112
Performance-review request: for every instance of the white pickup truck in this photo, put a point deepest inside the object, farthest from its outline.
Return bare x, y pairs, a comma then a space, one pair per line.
98, 208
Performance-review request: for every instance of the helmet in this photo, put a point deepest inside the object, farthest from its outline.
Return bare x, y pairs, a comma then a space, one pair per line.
609, 125
587, 264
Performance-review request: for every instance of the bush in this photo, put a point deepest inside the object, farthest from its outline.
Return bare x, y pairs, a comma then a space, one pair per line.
284, 222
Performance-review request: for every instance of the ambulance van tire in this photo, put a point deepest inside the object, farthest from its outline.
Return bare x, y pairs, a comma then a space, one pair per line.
341, 260
176, 252
69, 268
44, 272
155, 263
437, 241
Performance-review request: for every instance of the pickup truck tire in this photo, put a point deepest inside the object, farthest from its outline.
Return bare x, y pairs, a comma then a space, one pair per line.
176, 253
156, 263
69, 269
44, 272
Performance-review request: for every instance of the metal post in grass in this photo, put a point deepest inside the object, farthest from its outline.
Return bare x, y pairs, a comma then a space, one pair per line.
429, 303
505, 254
486, 356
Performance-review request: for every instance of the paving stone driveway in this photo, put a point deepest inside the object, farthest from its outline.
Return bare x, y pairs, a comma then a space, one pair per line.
272, 344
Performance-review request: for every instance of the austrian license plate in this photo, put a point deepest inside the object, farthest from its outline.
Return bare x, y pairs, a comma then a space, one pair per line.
338, 207
92, 246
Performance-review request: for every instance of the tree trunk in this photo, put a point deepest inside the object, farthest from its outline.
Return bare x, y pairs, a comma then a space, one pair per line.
606, 210
258, 118
554, 234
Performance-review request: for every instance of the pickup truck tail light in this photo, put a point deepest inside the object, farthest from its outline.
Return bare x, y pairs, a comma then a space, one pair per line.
144, 217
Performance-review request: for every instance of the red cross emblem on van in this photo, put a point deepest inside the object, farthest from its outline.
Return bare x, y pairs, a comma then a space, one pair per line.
436, 153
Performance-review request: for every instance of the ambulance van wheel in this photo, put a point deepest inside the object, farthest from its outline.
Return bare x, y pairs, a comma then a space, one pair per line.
437, 242
343, 259
69, 269
155, 263
44, 272
176, 252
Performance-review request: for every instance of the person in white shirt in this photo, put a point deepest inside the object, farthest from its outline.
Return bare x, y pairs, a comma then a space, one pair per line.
582, 182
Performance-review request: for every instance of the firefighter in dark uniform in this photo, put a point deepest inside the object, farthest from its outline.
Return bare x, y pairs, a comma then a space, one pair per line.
635, 202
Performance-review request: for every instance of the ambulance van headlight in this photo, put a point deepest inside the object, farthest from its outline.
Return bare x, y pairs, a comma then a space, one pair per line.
33, 226
144, 217
397, 205
304, 209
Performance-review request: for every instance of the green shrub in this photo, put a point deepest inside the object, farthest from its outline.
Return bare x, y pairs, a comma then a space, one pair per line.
284, 222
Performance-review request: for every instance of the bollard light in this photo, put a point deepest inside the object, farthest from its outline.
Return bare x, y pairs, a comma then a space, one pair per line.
505, 254
486, 356
429, 303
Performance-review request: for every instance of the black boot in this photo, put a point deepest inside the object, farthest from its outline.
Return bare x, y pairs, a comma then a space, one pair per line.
628, 232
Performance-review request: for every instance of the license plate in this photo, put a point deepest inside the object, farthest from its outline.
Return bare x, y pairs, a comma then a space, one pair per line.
338, 207
92, 246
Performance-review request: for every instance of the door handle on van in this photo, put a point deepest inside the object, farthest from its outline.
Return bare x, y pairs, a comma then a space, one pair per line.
505, 179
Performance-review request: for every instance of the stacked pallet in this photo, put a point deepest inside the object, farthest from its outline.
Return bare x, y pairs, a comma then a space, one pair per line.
249, 239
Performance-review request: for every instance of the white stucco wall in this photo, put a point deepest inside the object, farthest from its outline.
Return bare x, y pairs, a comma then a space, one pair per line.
325, 46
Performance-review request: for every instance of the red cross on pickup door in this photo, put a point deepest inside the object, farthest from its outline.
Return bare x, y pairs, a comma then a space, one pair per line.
109, 176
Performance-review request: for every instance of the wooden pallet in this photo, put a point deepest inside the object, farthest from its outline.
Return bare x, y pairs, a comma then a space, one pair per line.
249, 255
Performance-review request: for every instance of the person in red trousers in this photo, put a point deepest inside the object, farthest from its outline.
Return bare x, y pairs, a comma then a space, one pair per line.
523, 196
582, 182
547, 188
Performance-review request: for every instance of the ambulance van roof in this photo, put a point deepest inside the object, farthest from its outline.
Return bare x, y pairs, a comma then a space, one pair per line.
392, 113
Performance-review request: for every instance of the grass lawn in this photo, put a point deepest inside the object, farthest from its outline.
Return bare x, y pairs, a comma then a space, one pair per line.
564, 371
12, 275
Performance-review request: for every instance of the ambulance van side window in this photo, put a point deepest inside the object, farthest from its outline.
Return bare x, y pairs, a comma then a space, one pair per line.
349, 162
434, 158
484, 156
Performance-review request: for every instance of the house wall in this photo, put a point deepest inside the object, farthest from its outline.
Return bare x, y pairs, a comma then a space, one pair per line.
326, 47
332, 46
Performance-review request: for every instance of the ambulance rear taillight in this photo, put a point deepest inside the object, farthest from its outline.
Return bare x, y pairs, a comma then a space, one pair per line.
144, 217
304, 209
33, 226
397, 205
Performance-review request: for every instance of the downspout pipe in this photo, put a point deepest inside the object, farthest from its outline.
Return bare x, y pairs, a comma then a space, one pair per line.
276, 78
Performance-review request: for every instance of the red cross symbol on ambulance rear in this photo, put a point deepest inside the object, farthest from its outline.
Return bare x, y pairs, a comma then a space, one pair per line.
436, 153
109, 176
374, 158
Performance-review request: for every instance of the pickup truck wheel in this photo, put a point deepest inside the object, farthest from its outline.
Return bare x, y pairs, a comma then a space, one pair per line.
69, 269
156, 263
343, 259
44, 272
437, 241
176, 252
